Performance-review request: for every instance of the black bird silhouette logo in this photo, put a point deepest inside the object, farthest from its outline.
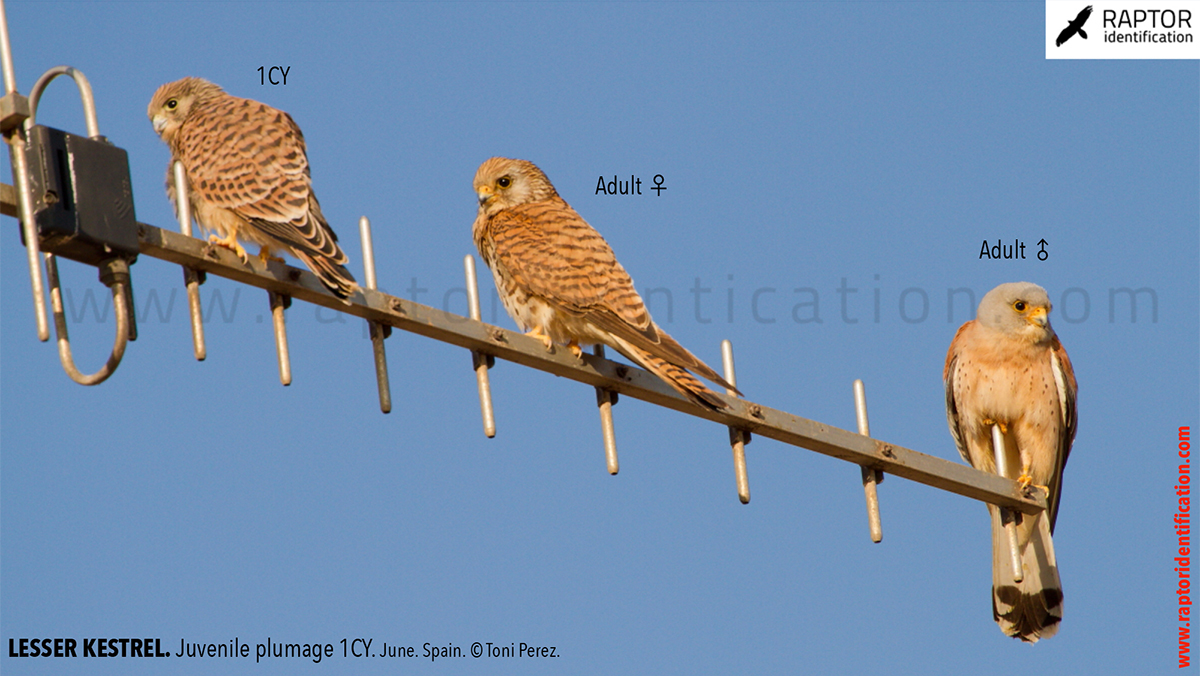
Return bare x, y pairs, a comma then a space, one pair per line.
1074, 27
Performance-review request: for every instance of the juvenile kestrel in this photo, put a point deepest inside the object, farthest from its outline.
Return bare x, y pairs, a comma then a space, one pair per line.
560, 281
248, 176
1007, 367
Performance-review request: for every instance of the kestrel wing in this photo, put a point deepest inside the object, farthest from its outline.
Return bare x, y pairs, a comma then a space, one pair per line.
247, 157
1064, 379
949, 375
552, 252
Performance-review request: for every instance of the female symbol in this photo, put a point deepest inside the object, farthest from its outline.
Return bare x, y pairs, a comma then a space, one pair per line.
658, 184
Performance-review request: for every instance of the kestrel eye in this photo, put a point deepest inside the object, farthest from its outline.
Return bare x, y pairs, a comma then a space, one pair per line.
1019, 306
504, 182
171, 104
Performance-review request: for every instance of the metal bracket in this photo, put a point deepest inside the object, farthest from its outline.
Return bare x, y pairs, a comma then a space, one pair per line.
871, 478
78, 216
480, 361
192, 278
1007, 517
605, 398
279, 303
114, 273
738, 437
82, 196
14, 110
378, 331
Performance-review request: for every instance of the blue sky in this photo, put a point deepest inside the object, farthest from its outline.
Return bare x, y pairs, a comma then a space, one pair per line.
817, 156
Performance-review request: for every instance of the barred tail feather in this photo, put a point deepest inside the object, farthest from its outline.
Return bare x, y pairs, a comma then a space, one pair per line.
335, 277
693, 362
1032, 608
678, 378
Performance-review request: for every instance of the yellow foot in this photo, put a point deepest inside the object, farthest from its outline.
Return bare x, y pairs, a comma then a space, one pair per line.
264, 255
1026, 481
536, 332
230, 243
575, 349
988, 422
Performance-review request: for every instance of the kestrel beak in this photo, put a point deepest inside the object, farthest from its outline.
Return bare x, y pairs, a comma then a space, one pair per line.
1039, 316
485, 194
160, 123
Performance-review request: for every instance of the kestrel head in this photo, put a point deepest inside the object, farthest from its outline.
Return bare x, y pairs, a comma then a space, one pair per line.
502, 183
1018, 308
172, 103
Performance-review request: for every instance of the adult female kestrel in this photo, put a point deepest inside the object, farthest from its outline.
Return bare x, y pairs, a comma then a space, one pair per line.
1007, 368
560, 281
248, 176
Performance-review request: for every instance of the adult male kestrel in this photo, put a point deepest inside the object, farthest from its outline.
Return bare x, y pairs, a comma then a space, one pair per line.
1007, 368
248, 176
560, 281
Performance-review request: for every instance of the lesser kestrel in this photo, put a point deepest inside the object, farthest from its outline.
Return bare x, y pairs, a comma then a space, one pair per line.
560, 281
248, 176
1007, 368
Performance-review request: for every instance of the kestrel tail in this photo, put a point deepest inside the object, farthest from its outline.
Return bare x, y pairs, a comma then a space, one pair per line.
1006, 367
560, 281
248, 176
